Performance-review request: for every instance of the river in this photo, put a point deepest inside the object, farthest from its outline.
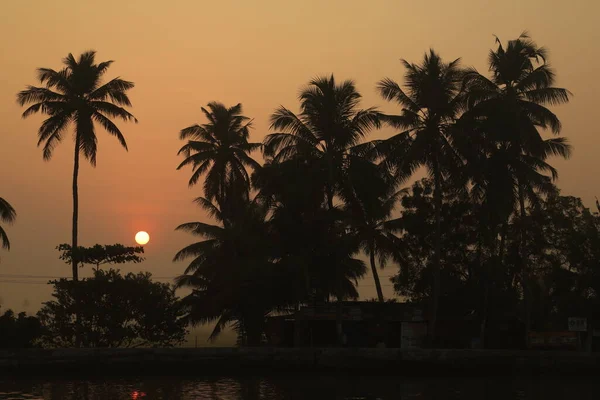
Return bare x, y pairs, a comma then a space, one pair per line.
303, 387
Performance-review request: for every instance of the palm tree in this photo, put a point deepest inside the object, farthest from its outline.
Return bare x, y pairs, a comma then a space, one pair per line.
511, 109
231, 275
326, 135
369, 216
7, 215
430, 105
75, 95
327, 132
220, 149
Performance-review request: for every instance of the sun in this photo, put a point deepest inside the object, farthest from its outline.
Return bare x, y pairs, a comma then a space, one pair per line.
142, 237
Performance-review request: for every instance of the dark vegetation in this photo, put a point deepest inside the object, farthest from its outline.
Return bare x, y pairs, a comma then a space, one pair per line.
486, 233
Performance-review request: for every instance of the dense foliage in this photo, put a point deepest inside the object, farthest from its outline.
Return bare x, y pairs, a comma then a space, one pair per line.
98, 254
486, 234
112, 310
19, 331
476, 233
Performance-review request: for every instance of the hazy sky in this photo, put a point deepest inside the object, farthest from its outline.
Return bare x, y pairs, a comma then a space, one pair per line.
183, 54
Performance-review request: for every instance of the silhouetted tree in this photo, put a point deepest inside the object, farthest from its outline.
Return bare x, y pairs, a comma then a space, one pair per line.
510, 109
327, 134
371, 223
220, 149
75, 95
430, 106
231, 275
19, 332
102, 254
112, 310
303, 234
7, 215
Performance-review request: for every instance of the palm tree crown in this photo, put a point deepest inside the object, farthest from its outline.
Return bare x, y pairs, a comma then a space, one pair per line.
75, 95
7, 215
327, 132
220, 149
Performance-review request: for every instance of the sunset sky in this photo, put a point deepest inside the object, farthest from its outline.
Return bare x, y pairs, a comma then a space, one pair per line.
183, 54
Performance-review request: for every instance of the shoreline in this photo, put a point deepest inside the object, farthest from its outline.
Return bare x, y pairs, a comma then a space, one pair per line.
271, 361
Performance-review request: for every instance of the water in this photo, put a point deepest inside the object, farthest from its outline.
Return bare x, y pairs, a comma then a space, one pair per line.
302, 387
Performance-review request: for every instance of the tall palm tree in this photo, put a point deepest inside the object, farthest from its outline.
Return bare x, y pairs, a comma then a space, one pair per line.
430, 105
511, 109
326, 135
75, 95
220, 149
7, 215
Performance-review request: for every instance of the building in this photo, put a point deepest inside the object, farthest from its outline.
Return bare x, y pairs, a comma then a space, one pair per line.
365, 324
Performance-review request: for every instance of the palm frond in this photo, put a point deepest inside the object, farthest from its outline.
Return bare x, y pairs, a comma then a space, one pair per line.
38, 95
114, 90
110, 127
390, 90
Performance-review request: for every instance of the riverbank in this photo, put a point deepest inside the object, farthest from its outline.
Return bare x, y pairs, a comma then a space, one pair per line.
210, 361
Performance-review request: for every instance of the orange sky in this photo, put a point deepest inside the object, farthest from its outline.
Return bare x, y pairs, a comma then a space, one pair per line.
183, 54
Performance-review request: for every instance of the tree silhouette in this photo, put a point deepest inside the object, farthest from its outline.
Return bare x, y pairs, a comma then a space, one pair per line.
7, 215
102, 254
510, 110
430, 105
74, 95
326, 134
231, 275
220, 149
374, 229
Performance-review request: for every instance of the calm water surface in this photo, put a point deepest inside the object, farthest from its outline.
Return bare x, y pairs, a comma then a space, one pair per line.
355, 388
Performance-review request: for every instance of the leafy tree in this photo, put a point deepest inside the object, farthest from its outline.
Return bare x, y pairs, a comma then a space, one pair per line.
564, 254
220, 149
430, 105
20, 331
7, 215
74, 95
102, 254
416, 233
112, 310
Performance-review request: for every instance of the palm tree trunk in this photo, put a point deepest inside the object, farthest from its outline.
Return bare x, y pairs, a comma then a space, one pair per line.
374, 271
503, 242
435, 290
490, 268
524, 267
74, 245
339, 305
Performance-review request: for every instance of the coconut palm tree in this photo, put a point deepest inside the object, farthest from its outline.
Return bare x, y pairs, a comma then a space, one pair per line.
327, 134
511, 109
231, 275
76, 96
369, 210
7, 215
220, 149
431, 103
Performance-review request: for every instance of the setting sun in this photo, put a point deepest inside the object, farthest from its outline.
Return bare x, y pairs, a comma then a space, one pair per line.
142, 237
